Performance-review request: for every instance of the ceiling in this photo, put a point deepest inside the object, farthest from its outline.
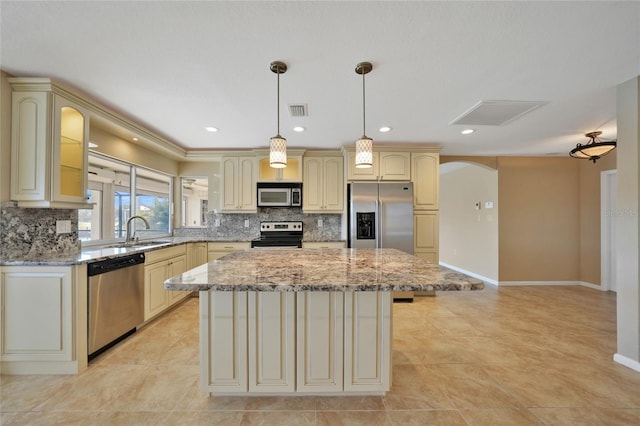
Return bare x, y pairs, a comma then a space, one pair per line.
177, 67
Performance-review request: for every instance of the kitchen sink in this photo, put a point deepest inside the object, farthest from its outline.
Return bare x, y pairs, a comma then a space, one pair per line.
138, 244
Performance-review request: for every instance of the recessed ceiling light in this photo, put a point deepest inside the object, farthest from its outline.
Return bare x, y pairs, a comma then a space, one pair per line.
93, 144
211, 129
385, 129
135, 139
467, 131
299, 129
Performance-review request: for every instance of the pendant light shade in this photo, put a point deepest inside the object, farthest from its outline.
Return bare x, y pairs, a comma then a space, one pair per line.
364, 145
278, 144
594, 149
364, 152
278, 152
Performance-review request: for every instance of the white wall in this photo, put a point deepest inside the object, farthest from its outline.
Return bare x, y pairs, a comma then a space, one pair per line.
469, 237
628, 224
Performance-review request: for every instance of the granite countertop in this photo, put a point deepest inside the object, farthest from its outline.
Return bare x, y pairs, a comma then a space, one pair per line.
322, 270
106, 251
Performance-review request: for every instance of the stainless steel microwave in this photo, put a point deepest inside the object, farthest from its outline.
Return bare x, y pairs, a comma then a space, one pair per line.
279, 194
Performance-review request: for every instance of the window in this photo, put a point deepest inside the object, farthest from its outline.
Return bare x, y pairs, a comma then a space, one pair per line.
111, 192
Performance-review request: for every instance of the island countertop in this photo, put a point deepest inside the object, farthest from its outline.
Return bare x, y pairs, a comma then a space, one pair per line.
322, 270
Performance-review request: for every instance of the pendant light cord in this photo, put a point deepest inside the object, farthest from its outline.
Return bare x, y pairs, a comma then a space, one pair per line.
278, 107
364, 115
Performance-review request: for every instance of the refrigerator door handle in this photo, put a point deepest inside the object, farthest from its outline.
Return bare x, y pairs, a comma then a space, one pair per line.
379, 223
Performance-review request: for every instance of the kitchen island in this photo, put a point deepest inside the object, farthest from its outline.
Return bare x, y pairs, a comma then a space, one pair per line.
304, 321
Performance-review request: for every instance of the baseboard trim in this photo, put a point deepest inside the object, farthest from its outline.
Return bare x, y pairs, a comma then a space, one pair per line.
627, 362
530, 283
593, 286
471, 274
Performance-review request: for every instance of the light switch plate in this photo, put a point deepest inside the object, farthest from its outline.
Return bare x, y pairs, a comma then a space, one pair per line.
488, 204
319, 223
63, 227
246, 223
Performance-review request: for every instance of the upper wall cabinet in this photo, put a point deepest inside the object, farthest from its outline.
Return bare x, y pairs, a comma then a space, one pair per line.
323, 184
425, 174
238, 184
49, 141
387, 165
291, 173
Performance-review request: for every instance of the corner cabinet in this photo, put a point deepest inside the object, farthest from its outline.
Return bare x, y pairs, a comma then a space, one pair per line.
239, 177
323, 185
160, 265
49, 142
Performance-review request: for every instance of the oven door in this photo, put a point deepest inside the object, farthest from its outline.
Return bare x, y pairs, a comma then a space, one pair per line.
274, 197
275, 245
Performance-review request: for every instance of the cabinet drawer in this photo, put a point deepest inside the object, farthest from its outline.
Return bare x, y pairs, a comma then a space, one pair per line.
323, 244
166, 253
229, 246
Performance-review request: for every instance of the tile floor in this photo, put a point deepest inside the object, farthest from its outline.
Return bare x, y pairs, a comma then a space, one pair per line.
508, 356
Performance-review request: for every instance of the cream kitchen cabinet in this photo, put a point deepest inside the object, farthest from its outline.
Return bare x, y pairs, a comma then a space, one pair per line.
259, 351
222, 248
323, 185
320, 335
324, 244
49, 142
160, 265
238, 182
275, 342
387, 165
426, 235
271, 335
367, 333
44, 319
197, 254
425, 175
291, 173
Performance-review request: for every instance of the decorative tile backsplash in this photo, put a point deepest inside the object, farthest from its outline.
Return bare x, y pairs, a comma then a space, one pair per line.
29, 233
32, 232
232, 225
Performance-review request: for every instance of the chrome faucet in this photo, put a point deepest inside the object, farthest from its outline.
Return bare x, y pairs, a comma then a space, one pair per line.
128, 228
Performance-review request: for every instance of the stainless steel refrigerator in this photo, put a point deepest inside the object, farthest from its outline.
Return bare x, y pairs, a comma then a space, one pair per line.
381, 216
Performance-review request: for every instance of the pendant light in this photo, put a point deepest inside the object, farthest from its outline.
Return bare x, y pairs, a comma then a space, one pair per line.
594, 149
364, 145
278, 144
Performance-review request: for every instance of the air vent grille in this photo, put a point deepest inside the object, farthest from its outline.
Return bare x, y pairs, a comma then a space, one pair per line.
298, 110
496, 113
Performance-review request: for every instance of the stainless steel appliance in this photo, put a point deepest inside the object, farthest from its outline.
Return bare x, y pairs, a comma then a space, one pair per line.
287, 234
116, 300
279, 194
381, 216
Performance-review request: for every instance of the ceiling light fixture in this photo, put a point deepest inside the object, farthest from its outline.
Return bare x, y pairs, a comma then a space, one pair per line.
278, 144
211, 129
467, 131
594, 149
299, 129
135, 139
385, 129
364, 145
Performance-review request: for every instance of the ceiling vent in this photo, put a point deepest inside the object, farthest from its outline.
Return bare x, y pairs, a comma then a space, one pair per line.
298, 110
496, 113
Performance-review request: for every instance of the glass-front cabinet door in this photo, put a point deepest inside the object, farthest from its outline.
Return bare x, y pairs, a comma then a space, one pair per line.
49, 145
71, 153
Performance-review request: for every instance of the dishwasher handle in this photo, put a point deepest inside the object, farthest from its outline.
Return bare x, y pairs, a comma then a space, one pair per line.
108, 265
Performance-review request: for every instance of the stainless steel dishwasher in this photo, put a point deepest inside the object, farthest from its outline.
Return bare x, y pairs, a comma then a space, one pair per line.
116, 300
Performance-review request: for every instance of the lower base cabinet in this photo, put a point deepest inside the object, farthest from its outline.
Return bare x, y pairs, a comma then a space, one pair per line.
160, 265
44, 319
303, 342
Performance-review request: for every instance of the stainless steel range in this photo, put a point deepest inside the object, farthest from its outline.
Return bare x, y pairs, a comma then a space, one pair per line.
286, 234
